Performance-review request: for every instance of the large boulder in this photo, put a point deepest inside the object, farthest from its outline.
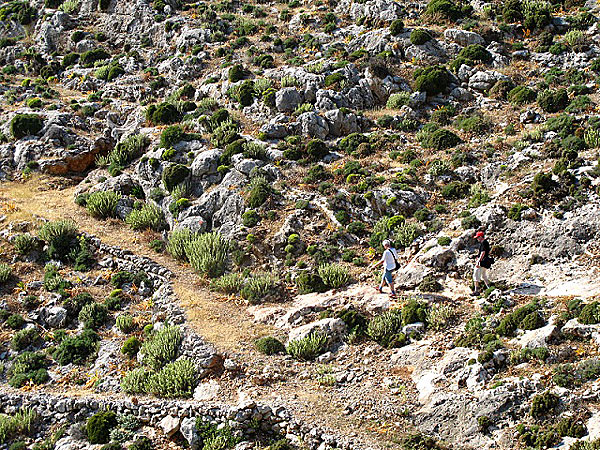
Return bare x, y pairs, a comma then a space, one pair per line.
463, 37
287, 99
313, 125
206, 163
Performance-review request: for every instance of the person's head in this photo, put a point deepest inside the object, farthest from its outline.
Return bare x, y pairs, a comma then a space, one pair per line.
386, 244
480, 236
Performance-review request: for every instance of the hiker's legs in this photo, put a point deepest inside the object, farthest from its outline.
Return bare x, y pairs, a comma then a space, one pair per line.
477, 278
484, 277
389, 279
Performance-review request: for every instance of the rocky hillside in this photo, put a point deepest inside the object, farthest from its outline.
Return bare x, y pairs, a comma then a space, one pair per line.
191, 194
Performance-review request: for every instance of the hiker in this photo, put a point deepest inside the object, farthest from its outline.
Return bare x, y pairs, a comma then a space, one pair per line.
484, 262
389, 259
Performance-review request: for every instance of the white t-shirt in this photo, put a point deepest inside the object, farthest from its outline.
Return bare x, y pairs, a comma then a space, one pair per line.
388, 258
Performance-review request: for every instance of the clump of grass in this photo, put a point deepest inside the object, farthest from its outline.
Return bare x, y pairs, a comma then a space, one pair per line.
334, 275
5, 273
308, 348
148, 217
230, 283
258, 287
103, 204
162, 347
208, 254
178, 240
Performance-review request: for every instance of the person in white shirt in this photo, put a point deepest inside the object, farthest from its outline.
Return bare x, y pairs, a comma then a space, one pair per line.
389, 260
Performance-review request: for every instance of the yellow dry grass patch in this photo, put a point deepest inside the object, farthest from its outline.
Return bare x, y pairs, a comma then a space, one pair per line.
220, 321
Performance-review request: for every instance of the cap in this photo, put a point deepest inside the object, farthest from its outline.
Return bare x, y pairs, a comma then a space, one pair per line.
479, 234
386, 242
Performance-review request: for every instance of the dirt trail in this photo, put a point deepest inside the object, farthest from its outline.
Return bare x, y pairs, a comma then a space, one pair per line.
219, 320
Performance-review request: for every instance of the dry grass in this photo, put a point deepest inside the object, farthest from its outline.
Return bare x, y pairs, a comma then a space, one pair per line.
223, 323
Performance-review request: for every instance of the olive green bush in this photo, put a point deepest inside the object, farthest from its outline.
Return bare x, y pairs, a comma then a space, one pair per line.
23, 125
269, 345
386, 329
99, 425
208, 254
162, 347
103, 204
148, 217
175, 380
308, 348
334, 275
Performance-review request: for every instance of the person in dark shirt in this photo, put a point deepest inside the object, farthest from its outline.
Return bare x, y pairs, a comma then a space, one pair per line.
484, 262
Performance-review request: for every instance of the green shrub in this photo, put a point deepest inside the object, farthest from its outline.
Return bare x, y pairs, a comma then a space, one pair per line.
178, 240
334, 275
93, 315
398, 100
99, 425
215, 438
149, 217
521, 95
131, 347
230, 283
89, 58
24, 244
61, 237
430, 284
15, 321
536, 14
23, 125
432, 80
174, 175
308, 348
396, 27
543, 404
512, 321
419, 36
542, 183
476, 52
76, 349
405, 234
21, 422
553, 101
208, 254
439, 316
414, 311
171, 135
308, 282
236, 73
24, 338
386, 329
162, 114
259, 287
162, 347
590, 314
514, 213
260, 191
250, 218
136, 381
269, 345
445, 8
28, 367
441, 139
455, 190
174, 380
103, 204
5, 273
124, 323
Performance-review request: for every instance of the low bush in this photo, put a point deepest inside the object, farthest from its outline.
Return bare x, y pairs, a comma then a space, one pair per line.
476, 52
441, 139
386, 329
93, 315
99, 425
162, 114
396, 27
148, 217
269, 345
61, 237
178, 240
24, 244
174, 175
89, 58
521, 95
419, 36
432, 80
15, 321
398, 100
24, 338
509, 324
171, 135
131, 347
175, 380
230, 283
162, 347
5, 273
28, 367
447, 9
590, 314
208, 254
543, 404
124, 323
23, 125
76, 349
102, 204
553, 101
22, 421
136, 381
455, 190
308, 348
259, 287
334, 275
439, 316
430, 284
